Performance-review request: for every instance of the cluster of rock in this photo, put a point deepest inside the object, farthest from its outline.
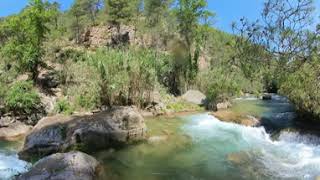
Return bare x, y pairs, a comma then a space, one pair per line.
109, 35
114, 128
112, 35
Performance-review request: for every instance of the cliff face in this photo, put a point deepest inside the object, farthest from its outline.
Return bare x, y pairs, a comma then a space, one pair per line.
109, 35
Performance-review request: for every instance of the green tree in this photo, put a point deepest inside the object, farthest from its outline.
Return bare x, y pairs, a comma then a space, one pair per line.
119, 11
191, 16
77, 12
54, 8
27, 32
155, 10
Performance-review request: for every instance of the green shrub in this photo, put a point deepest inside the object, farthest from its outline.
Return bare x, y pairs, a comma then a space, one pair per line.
82, 85
63, 106
218, 84
22, 98
302, 88
127, 76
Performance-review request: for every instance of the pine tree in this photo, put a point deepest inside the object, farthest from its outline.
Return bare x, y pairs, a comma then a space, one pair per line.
119, 11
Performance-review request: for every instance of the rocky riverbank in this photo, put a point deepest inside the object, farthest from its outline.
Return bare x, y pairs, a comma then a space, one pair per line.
59, 142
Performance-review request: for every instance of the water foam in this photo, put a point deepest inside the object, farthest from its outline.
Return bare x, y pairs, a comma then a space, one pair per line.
292, 156
10, 165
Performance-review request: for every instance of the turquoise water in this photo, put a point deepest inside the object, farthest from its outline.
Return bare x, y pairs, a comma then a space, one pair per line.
201, 147
213, 149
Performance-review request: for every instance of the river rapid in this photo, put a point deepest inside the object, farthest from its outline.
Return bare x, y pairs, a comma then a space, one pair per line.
202, 147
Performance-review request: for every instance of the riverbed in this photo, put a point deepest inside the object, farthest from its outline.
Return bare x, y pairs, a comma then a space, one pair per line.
200, 146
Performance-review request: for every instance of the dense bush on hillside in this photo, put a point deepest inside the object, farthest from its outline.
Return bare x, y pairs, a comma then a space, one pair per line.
21, 98
113, 77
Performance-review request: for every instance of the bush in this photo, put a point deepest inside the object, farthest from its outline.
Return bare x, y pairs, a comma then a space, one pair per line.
127, 77
302, 88
63, 106
218, 84
112, 77
21, 98
82, 85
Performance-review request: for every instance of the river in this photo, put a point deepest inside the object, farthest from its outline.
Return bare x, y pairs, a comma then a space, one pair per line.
201, 146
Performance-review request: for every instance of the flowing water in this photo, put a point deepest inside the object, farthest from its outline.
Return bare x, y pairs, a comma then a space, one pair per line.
10, 165
201, 147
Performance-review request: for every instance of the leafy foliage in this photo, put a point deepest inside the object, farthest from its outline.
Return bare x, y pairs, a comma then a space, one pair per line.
63, 106
302, 87
26, 33
21, 98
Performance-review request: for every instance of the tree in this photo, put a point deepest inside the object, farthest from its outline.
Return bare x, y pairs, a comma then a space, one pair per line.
280, 35
282, 29
119, 11
155, 10
191, 14
77, 12
84, 12
54, 8
91, 8
27, 32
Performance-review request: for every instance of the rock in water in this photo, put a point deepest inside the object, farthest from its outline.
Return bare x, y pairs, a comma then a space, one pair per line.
113, 128
267, 97
195, 97
157, 139
71, 166
14, 131
223, 105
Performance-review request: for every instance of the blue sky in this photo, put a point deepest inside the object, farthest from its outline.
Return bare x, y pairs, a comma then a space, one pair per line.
227, 11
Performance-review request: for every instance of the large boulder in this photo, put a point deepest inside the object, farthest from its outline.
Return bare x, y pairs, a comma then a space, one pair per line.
71, 166
14, 131
115, 127
195, 97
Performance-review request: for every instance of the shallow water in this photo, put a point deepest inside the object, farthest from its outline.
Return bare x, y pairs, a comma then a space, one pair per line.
201, 147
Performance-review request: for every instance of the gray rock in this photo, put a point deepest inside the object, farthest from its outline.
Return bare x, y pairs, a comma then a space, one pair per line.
195, 97
71, 166
267, 97
48, 79
116, 127
14, 131
6, 120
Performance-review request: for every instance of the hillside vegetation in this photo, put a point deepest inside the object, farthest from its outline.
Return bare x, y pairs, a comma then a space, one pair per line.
122, 52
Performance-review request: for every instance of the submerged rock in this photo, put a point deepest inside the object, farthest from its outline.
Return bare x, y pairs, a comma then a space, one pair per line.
116, 127
238, 158
71, 166
14, 131
195, 97
233, 117
157, 139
